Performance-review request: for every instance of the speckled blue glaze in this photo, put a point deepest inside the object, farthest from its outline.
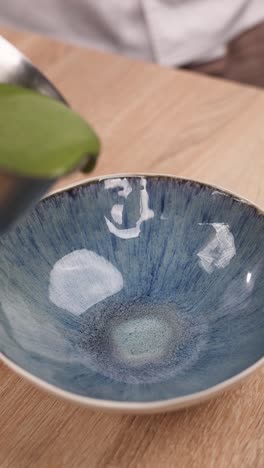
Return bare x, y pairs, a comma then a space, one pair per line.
134, 289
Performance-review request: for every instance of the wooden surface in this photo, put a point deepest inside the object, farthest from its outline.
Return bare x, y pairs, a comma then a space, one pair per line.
153, 120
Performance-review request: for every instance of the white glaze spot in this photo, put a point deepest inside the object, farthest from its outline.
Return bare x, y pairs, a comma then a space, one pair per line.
81, 279
249, 276
219, 251
141, 341
145, 214
117, 213
123, 184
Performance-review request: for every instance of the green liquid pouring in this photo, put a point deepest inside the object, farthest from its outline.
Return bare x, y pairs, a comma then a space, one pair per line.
41, 140
41, 137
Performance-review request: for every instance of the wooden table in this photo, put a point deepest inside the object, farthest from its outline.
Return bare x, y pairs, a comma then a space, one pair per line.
154, 120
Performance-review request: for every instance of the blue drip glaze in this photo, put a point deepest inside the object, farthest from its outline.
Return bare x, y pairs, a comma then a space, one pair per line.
164, 326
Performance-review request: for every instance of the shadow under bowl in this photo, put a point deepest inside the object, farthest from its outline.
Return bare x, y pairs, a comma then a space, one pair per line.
134, 293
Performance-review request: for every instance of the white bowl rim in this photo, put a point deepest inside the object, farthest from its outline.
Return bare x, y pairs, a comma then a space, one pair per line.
149, 406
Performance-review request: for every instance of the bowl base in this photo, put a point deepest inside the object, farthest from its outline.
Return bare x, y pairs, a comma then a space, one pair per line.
139, 341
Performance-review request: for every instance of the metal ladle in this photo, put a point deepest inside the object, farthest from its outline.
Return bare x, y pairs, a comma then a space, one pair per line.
18, 193
16, 69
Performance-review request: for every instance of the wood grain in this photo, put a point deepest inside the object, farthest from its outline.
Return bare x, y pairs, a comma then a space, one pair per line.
150, 119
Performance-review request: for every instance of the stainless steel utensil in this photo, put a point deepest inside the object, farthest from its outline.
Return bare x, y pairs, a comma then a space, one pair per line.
18, 193
15, 68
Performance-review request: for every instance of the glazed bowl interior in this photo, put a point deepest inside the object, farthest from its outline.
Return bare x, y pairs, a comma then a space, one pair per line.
135, 289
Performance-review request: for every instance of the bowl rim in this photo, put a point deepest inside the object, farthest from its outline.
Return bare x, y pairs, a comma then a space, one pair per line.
149, 406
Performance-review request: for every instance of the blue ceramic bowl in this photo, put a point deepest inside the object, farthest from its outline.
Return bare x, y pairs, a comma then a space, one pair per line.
136, 293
